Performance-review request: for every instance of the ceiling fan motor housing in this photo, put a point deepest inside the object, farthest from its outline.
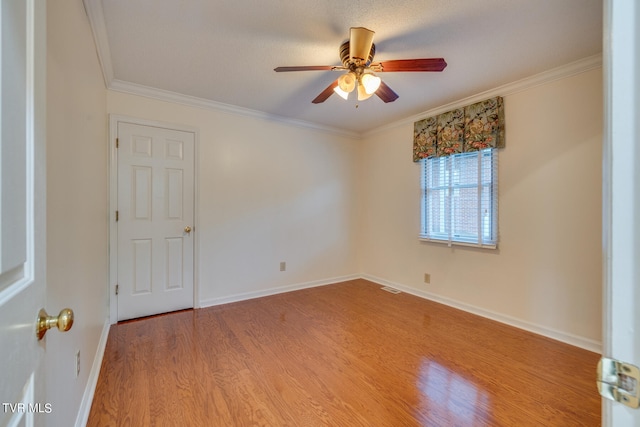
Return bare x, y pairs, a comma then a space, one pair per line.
346, 60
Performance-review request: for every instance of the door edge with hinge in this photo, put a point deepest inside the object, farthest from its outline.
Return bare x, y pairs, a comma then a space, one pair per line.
619, 381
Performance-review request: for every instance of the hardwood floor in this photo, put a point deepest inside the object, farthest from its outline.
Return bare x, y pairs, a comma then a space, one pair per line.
348, 354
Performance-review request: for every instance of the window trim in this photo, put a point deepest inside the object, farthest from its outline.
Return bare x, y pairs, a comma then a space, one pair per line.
448, 239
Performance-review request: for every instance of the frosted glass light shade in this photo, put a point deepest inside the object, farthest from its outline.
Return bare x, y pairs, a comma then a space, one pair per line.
371, 83
342, 93
362, 93
347, 82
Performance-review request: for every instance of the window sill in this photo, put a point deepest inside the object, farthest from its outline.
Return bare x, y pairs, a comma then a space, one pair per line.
454, 243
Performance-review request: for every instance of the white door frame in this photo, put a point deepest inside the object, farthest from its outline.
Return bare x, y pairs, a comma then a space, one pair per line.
113, 203
621, 226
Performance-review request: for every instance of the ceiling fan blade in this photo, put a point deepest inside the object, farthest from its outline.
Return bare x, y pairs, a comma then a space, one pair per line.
425, 64
325, 93
385, 93
305, 68
360, 41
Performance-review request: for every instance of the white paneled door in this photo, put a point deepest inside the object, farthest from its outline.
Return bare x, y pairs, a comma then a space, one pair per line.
22, 212
155, 220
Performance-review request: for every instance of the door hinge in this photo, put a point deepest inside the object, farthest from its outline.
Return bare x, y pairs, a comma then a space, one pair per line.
117, 142
117, 216
117, 289
619, 381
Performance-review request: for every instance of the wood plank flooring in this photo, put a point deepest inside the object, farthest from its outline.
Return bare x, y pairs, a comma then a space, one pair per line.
347, 354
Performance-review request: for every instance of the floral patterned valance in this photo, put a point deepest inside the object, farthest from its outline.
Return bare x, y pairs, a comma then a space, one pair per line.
470, 128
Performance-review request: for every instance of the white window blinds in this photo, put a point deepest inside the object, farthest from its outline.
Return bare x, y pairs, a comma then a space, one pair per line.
460, 198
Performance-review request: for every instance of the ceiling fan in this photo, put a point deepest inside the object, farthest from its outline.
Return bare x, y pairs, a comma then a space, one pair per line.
357, 55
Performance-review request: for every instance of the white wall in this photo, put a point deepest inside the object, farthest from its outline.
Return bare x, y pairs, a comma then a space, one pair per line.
546, 274
332, 207
76, 204
268, 192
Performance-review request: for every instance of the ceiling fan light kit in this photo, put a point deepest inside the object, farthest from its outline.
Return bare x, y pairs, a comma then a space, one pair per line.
357, 55
367, 84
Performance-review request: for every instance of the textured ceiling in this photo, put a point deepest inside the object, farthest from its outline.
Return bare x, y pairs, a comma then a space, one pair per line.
226, 51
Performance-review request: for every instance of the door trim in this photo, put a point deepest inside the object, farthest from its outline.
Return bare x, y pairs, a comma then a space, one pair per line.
114, 119
620, 67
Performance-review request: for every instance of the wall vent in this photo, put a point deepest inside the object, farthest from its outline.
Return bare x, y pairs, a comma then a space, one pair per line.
391, 290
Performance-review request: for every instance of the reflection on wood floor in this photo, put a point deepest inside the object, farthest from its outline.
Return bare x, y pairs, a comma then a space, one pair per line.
347, 354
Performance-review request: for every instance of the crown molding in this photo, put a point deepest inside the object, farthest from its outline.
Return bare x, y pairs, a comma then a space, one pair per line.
568, 70
193, 101
95, 13
564, 71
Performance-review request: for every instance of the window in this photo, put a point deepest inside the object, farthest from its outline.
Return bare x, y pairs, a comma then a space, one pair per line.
460, 198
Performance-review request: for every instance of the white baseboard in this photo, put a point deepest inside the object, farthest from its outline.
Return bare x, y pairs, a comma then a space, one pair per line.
209, 302
87, 397
564, 337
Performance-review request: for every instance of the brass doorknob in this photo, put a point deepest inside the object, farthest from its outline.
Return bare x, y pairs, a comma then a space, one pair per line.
63, 321
187, 229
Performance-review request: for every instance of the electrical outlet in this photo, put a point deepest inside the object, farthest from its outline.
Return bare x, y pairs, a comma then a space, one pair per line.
283, 266
77, 363
427, 278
